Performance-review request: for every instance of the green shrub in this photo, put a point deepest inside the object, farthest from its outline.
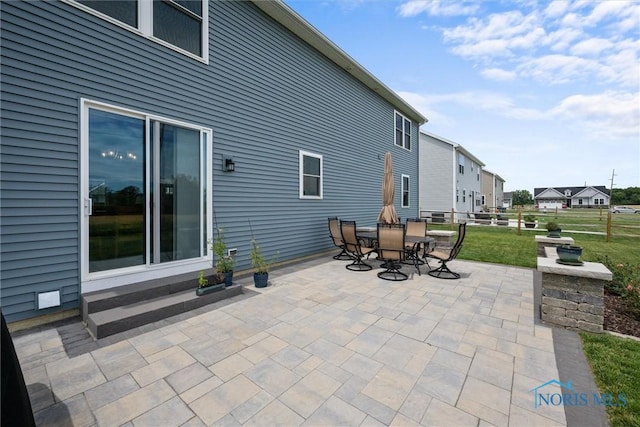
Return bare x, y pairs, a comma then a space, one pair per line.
625, 282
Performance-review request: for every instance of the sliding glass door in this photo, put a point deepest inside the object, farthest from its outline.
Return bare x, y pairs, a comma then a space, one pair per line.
146, 199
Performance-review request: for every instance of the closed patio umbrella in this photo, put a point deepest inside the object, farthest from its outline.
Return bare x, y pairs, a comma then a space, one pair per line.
388, 213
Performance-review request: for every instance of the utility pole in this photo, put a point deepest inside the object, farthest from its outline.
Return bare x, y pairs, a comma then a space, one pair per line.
612, 175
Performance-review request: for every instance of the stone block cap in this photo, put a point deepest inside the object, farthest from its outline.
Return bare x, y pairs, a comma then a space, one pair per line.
557, 240
592, 270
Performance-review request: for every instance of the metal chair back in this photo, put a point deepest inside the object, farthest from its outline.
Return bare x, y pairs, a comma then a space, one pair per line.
416, 227
391, 242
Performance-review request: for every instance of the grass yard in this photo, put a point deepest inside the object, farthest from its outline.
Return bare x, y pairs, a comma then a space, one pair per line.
502, 245
615, 361
615, 364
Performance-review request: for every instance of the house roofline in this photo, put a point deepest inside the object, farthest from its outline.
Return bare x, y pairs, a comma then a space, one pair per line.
494, 174
456, 146
291, 20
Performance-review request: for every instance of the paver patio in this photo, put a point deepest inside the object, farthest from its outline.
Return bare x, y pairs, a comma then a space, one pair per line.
323, 346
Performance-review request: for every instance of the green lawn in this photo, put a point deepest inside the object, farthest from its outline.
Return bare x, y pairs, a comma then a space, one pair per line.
615, 361
503, 245
616, 367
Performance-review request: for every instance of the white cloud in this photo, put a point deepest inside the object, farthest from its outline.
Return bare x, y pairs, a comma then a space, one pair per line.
556, 8
610, 114
425, 105
498, 74
557, 45
557, 69
561, 39
612, 9
591, 47
607, 114
436, 8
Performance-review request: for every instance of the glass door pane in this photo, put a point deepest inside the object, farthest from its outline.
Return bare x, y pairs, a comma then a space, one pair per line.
177, 193
116, 189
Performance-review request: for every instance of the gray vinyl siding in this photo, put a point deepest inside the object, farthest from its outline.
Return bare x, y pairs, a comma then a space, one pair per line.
436, 174
265, 93
467, 182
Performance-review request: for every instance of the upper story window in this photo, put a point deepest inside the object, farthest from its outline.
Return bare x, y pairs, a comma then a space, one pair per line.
310, 175
403, 131
179, 24
461, 164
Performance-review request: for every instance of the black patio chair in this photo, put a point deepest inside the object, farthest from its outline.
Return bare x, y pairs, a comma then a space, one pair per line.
355, 247
443, 272
392, 250
336, 237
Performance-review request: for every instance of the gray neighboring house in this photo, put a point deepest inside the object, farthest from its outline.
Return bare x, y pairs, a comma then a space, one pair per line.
450, 176
125, 144
572, 197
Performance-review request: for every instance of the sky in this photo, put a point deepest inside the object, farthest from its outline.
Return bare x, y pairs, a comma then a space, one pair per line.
546, 94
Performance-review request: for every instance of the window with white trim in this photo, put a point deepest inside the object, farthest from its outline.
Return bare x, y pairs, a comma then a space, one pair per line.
180, 24
310, 165
402, 136
460, 164
405, 190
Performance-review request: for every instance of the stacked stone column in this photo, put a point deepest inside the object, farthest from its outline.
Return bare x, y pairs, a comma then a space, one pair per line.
573, 296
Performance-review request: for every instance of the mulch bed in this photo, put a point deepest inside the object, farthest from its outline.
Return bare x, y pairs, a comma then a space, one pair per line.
618, 318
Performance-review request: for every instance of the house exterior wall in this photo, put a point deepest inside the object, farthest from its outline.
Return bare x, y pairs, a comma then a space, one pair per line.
265, 94
499, 191
437, 174
468, 184
493, 190
590, 198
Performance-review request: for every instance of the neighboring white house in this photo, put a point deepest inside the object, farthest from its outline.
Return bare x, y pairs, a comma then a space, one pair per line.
507, 199
572, 197
492, 190
450, 176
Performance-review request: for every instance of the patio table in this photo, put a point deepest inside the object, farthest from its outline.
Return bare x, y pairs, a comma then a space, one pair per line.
421, 245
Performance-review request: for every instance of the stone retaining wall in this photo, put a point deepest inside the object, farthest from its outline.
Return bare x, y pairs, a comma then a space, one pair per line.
444, 238
572, 296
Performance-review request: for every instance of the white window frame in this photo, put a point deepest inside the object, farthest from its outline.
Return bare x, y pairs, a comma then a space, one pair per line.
145, 26
149, 271
301, 174
404, 131
404, 190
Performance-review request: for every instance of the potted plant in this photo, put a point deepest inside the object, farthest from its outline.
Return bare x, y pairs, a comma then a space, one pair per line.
553, 229
530, 221
223, 263
260, 265
207, 285
569, 254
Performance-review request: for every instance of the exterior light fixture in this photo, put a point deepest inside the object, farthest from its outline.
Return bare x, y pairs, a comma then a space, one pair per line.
229, 165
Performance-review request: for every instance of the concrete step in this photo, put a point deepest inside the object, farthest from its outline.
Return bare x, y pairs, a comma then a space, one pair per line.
113, 320
122, 295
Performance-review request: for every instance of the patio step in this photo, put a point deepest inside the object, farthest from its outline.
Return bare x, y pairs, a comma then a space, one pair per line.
123, 308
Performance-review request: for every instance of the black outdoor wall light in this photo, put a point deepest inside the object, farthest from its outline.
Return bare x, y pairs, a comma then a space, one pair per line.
228, 164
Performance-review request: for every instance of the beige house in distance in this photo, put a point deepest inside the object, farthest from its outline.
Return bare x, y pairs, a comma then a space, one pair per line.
492, 190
